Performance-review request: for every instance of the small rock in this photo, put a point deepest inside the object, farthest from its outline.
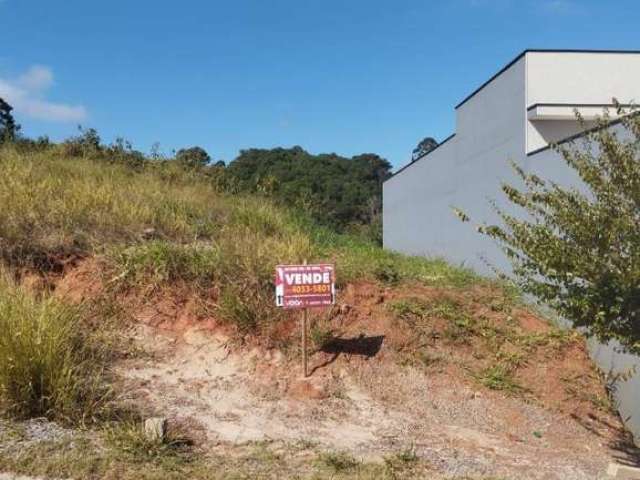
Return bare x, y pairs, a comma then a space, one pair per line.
254, 354
149, 233
345, 308
155, 429
278, 357
623, 472
196, 337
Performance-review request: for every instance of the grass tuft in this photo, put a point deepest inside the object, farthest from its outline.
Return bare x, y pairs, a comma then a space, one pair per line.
129, 439
337, 461
500, 377
321, 334
50, 366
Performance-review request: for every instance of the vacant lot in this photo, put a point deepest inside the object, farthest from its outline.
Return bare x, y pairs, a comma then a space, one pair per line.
132, 293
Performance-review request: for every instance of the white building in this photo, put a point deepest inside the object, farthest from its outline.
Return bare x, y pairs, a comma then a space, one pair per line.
515, 115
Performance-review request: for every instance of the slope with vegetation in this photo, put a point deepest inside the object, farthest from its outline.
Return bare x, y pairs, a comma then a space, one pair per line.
96, 241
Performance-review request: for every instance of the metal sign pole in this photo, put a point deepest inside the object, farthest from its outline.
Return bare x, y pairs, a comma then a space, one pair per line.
305, 319
304, 339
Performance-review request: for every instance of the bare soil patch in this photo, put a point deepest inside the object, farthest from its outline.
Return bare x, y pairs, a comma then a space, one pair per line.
383, 383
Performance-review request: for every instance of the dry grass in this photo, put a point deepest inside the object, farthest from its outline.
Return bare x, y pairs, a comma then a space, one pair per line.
124, 454
57, 206
51, 366
159, 224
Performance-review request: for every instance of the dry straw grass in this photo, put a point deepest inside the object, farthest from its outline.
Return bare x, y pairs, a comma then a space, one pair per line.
50, 365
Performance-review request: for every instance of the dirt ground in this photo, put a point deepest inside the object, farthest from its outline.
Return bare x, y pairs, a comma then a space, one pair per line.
366, 407
365, 398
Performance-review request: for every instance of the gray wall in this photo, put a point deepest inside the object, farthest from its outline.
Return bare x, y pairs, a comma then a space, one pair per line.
463, 172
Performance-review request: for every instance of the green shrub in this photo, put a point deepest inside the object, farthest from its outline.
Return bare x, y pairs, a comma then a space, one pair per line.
160, 261
237, 308
50, 367
337, 461
578, 251
386, 271
499, 377
409, 308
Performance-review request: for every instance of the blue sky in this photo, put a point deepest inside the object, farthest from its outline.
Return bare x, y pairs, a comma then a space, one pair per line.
344, 76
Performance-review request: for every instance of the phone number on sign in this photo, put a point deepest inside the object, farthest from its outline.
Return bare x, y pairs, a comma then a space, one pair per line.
325, 288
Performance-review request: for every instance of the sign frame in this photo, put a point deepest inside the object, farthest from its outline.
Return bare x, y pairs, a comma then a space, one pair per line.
305, 285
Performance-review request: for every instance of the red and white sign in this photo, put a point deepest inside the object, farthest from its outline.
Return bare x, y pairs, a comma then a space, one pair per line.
305, 286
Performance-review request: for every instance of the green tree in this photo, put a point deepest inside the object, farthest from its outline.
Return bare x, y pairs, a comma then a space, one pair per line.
8, 127
425, 146
87, 143
337, 191
579, 250
194, 157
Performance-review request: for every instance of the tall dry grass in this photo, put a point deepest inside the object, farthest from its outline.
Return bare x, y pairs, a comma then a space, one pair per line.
50, 364
69, 205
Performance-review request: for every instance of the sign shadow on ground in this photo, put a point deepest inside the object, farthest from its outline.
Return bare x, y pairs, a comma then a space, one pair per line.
365, 346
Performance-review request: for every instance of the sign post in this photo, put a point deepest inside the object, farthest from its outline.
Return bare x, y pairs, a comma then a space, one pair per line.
305, 355
305, 286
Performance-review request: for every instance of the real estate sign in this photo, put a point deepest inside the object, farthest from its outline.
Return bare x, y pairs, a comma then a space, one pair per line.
305, 286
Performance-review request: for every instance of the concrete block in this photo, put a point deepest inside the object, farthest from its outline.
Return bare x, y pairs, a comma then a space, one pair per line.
623, 472
155, 429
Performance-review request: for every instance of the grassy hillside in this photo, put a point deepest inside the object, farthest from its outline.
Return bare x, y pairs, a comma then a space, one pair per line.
158, 225
88, 244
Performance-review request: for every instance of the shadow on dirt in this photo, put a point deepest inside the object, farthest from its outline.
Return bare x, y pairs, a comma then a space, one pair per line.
361, 345
626, 453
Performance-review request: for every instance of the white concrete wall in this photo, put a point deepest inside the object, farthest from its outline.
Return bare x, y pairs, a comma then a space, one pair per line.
418, 217
543, 132
581, 77
415, 203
